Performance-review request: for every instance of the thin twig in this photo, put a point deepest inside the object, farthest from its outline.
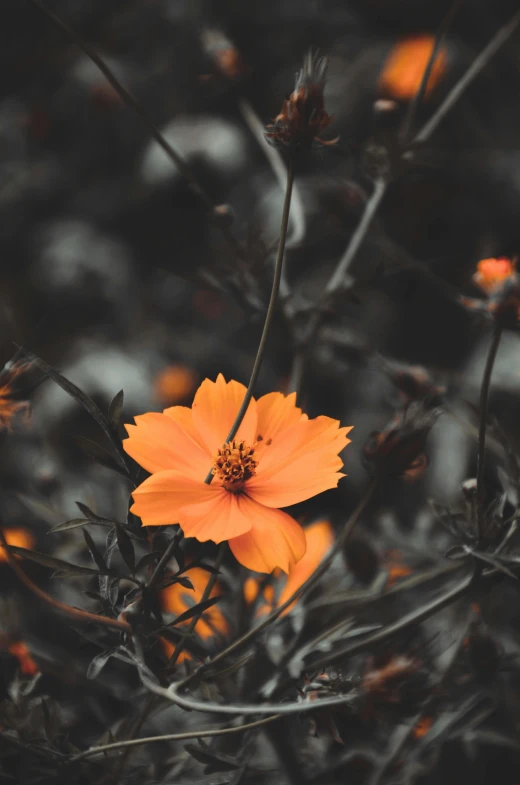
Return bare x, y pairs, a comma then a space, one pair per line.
270, 311
67, 610
484, 401
467, 78
419, 95
196, 734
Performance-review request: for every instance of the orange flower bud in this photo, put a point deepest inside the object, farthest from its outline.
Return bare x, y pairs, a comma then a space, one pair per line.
175, 384
491, 273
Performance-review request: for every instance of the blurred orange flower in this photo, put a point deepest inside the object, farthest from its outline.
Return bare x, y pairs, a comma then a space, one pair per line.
491, 273
174, 384
279, 457
10, 403
405, 65
176, 599
26, 663
22, 538
422, 727
320, 537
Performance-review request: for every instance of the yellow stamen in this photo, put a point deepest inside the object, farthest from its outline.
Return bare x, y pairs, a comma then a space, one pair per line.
234, 464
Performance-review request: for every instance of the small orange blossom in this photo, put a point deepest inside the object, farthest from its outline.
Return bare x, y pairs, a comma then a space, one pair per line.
174, 384
279, 457
26, 663
403, 70
19, 537
491, 273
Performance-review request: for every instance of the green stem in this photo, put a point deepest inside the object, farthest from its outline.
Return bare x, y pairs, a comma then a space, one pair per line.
270, 312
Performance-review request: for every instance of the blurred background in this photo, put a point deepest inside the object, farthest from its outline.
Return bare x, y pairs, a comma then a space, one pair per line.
115, 271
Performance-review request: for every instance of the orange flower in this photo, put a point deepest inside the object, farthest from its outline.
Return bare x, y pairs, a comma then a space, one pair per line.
279, 457
10, 403
405, 65
491, 273
175, 383
26, 663
176, 599
19, 537
320, 537
422, 727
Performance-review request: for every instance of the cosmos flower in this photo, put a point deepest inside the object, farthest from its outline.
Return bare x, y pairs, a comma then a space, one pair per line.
403, 70
320, 537
279, 457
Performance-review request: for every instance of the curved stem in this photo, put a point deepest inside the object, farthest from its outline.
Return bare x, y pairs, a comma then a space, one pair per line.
200, 734
484, 402
67, 610
270, 311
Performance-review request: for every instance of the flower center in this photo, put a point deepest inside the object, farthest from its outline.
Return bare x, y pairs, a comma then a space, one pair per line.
234, 464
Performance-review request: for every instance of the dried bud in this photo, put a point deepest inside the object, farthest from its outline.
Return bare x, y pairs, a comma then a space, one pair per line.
303, 116
397, 451
413, 382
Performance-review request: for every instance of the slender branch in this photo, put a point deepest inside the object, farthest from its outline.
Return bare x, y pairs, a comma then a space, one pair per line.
337, 279
303, 589
270, 311
200, 734
68, 610
295, 707
467, 78
419, 95
484, 402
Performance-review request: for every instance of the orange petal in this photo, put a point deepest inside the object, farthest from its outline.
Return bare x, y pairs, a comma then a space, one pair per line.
276, 413
183, 416
275, 539
320, 537
158, 499
158, 443
310, 466
217, 519
214, 409
176, 599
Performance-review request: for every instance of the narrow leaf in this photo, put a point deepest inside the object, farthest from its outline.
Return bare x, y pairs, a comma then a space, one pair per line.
91, 545
196, 610
100, 455
115, 411
98, 663
126, 548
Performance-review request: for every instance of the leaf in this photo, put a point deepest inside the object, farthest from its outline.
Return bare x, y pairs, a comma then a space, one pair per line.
115, 411
100, 455
457, 552
92, 516
151, 603
98, 663
126, 548
91, 545
74, 523
38, 508
185, 582
50, 561
109, 548
113, 591
147, 559
87, 403
196, 610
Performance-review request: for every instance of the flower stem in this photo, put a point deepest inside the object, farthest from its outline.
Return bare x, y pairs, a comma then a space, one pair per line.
484, 402
271, 308
467, 78
195, 734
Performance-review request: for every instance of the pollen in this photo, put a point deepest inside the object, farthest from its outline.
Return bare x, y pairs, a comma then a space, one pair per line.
234, 465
